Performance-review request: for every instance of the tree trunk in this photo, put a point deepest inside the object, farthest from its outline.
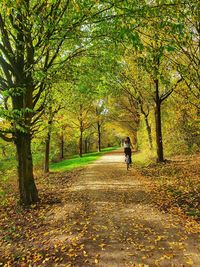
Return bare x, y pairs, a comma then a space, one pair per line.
148, 131
27, 187
62, 147
47, 151
160, 157
134, 141
86, 145
47, 143
81, 144
99, 136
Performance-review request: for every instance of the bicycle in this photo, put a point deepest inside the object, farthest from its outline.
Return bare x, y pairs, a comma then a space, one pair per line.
127, 161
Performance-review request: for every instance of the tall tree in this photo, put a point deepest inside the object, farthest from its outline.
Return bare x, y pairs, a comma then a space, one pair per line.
100, 115
184, 40
135, 85
37, 38
51, 112
81, 111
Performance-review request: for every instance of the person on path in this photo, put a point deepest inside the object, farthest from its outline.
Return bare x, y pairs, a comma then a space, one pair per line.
127, 148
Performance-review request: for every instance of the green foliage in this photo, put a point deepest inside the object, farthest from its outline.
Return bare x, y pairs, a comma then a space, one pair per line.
181, 127
72, 55
143, 158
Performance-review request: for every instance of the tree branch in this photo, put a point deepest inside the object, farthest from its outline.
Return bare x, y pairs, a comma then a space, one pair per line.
6, 138
5, 37
166, 95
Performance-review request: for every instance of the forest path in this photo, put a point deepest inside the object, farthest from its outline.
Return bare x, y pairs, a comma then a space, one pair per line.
112, 222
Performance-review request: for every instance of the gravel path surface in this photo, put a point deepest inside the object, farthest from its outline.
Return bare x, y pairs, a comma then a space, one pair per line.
112, 218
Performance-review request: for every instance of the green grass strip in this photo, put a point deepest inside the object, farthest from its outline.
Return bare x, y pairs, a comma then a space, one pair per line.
77, 162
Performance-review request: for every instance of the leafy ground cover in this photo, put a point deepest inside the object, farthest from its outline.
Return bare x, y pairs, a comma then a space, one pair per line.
8, 170
102, 215
175, 185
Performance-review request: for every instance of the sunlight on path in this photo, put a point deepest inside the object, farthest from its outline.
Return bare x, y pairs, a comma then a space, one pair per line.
118, 226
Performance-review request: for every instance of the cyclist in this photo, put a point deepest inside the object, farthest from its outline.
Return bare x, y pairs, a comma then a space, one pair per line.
127, 148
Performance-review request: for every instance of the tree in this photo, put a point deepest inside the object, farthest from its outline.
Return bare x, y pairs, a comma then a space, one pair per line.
100, 115
184, 40
37, 38
81, 110
135, 86
51, 112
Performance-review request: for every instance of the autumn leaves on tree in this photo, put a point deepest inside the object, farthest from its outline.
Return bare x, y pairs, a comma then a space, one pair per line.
82, 64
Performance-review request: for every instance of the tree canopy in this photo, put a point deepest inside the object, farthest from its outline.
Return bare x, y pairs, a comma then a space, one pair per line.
79, 75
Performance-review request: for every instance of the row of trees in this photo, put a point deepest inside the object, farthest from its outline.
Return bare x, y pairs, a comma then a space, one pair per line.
38, 38
162, 59
67, 59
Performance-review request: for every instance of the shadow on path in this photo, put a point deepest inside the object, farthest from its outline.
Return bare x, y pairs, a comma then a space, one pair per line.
112, 217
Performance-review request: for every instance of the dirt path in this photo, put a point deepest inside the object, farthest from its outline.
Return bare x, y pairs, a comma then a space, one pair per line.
109, 221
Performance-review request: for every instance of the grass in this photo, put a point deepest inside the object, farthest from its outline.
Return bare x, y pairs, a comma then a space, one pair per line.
77, 162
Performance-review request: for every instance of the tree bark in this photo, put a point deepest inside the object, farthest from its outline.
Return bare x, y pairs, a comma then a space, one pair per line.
47, 143
99, 136
134, 141
86, 145
148, 127
47, 152
160, 157
81, 143
27, 187
62, 147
